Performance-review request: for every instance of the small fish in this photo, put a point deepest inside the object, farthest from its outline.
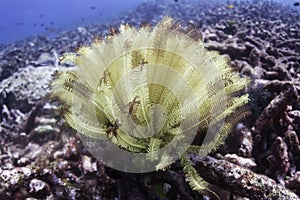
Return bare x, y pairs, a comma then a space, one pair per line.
51, 30
297, 3
176, 0
19, 23
93, 7
230, 6
41, 15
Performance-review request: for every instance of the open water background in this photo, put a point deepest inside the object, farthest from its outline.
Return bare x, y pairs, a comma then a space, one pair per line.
22, 18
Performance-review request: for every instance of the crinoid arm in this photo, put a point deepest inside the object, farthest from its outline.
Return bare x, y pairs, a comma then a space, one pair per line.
195, 181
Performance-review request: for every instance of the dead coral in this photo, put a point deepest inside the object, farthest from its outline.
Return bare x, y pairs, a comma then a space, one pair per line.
274, 110
241, 180
294, 119
278, 160
272, 123
242, 138
294, 183
292, 141
243, 162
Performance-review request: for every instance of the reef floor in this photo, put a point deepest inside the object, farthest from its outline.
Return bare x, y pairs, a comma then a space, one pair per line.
42, 158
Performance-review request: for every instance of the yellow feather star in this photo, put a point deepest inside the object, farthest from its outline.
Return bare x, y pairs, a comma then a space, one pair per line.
139, 98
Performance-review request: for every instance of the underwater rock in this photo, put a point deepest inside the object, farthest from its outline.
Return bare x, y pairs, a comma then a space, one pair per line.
278, 160
275, 108
294, 183
47, 58
39, 188
294, 116
87, 164
241, 141
242, 180
243, 162
42, 133
26, 87
292, 141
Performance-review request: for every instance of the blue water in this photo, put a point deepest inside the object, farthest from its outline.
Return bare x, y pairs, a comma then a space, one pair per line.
21, 18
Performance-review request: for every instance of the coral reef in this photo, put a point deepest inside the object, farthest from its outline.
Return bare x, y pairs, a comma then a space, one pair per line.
42, 158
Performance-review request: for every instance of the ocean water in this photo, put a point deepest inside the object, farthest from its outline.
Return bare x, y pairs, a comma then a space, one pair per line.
22, 18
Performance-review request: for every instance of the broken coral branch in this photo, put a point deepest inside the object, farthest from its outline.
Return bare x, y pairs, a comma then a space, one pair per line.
241, 180
275, 108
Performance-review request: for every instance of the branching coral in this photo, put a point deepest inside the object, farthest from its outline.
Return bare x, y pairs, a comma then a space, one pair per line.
140, 97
